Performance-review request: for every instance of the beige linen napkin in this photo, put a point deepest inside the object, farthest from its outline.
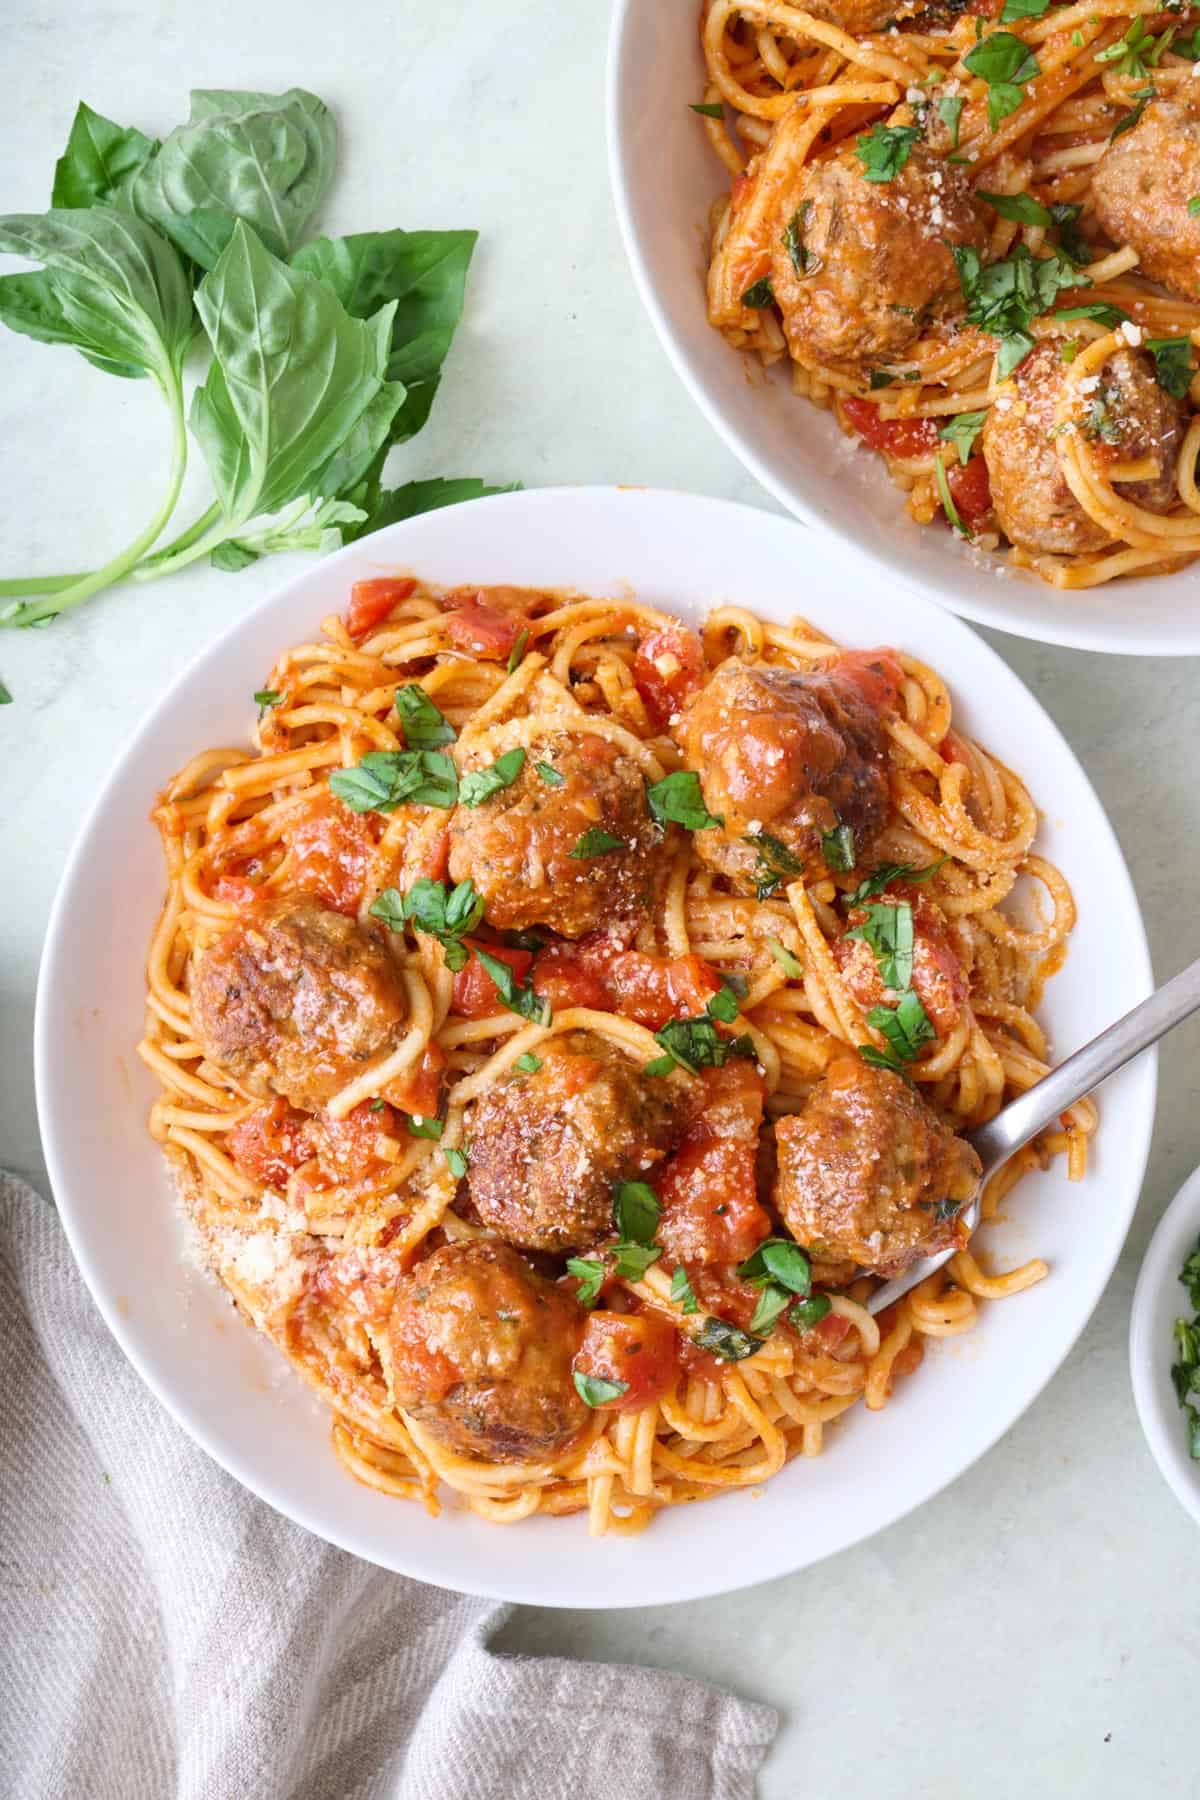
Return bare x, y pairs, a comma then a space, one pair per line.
166, 1635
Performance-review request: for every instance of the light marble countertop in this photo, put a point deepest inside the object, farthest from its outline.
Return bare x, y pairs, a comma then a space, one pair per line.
1033, 1630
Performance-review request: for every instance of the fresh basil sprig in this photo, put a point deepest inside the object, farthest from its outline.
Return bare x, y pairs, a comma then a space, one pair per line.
478, 785
677, 800
386, 779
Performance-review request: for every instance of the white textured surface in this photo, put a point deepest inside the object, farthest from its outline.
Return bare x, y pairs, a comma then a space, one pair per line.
993, 1642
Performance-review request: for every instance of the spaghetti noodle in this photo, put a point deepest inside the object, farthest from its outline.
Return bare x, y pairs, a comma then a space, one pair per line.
1080, 174
315, 1215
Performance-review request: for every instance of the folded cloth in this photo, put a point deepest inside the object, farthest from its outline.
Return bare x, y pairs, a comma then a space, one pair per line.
164, 1633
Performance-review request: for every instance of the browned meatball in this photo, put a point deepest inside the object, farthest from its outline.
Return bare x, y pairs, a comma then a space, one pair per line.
783, 758
481, 1347
296, 1000
527, 849
868, 1172
548, 1148
1142, 185
1126, 415
859, 18
875, 258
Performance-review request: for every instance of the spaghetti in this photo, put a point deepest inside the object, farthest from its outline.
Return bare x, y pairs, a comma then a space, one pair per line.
315, 1216
1094, 136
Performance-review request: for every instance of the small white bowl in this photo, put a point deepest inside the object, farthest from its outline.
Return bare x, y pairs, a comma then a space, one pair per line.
1159, 1299
664, 180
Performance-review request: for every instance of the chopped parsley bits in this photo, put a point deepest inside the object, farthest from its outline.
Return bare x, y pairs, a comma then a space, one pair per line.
1006, 63
759, 295
597, 842
724, 1006
591, 1274
387, 779
677, 800
1023, 9
425, 728
884, 150
478, 785
1102, 311
595, 1390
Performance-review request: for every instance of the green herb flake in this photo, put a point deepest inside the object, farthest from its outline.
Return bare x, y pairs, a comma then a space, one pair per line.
1023, 9
708, 109
1005, 297
906, 1028
478, 785
1102, 311
425, 728
1193, 206
1023, 209
889, 872
550, 774
445, 914
781, 1261
803, 260
681, 1291
789, 963
387, 779
962, 431
725, 1341
678, 800
884, 150
456, 1161
837, 847
775, 863
1133, 117
949, 109
724, 1006
265, 699
516, 996
419, 1127
1006, 63
807, 1313
1172, 364
947, 499
529, 1064
591, 1274
888, 930
597, 842
759, 295
695, 1044
516, 655
636, 1212
595, 1390
630, 1261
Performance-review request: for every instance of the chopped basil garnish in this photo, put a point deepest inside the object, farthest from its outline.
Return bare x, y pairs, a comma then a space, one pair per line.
807, 1313
1005, 297
549, 774
1102, 311
529, 1064
790, 964
428, 907
681, 1291
949, 110
377, 1105
1134, 116
597, 842
759, 295
386, 779
636, 1212
771, 1303
1023, 9
726, 1341
1193, 206
775, 863
516, 655
837, 847
590, 1273
884, 877
1022, 208
425, 728
711, 109
677, 800
781, 1261
724, 1006
889, 932
1185, 1371
265, 699
1172, 364
456, 1161
594, 1390
478, 785
630, 1261
803, 260
1065, 214
425, 1128
1006, 63
517, 996
961, 431
1138, 50
947, 499
906, 1028
884, 150
695, 1044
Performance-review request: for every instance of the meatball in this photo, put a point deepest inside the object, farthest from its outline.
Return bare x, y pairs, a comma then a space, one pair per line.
295, 1000
1141, 188
481, 1347
1127, 416
869, 1173
783, 758
875, 261
532, 848
548, 1148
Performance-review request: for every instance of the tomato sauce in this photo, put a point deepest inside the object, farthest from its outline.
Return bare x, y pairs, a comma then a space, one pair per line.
668, 669
331, 850
905, 438
639, 1349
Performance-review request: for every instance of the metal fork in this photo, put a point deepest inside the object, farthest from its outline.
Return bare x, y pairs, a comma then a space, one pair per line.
1033, 1110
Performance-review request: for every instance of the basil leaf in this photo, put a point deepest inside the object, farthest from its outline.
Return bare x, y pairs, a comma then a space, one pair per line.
804, 261
886, 1058
457, 1162
595, 1390
949, 110
390, 505
636, 1212
1102, 311
807, 1313
425, 1128
100, 158
425, 273
837, 847
681, 1291
660, 1065
943, 486
726, 1341
1065, 214
1005, 62
1022, 208
1135, 49
771, 1303
1023, 9
677, 800
596, 842
389, 907
724, 1006
889, 872
265, 699
550, 774
265, 159
478, 785
517, 997
884, 150
711, 109
630, 1261
425, 728
906, 1028
778, 1260
516, 655
1133, 116
759, 295
590, 1274
428, 907
1006, 296
775, 862
1189, 1275
386, 779
1172, 364
695, 1044
5, 696
1193, 204
790, 964
961, 431
529, 1064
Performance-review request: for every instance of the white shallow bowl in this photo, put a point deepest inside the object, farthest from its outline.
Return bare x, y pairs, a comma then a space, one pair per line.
1159, 1300
664, 179
230, 1389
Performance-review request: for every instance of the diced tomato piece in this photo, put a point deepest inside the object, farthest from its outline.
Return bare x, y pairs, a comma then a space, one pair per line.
668, 669
708, 1190
652, 989
937, 973
436, 860
910, 1358
345, 1150
419, 1089
331, 850
564, 980
372, 601
832, 1331
486, 622
474, 995
894, 437
970, 490
269, 1144
639, 1349
876, 674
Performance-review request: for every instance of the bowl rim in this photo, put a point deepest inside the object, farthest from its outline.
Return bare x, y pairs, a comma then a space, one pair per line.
388, 546
1062, 630
1150, 1352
